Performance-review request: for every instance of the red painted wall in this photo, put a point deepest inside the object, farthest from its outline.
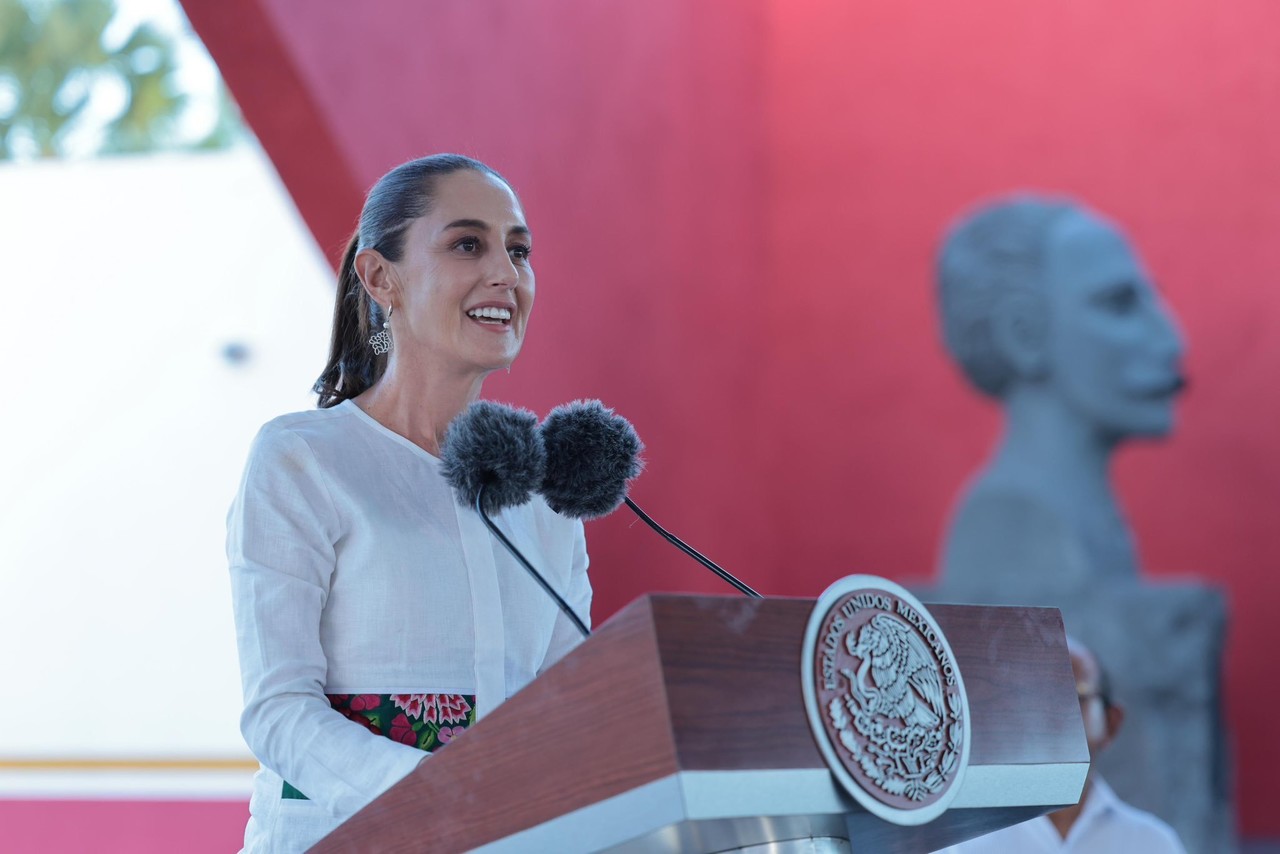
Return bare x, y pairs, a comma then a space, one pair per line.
735, 204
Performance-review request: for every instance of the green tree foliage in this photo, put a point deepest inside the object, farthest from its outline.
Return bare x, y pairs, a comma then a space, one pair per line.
54, 63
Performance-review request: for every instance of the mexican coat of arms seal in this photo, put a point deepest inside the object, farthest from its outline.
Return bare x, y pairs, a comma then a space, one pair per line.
885, 699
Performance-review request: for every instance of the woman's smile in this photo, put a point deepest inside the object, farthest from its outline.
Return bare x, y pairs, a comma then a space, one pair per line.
493, 316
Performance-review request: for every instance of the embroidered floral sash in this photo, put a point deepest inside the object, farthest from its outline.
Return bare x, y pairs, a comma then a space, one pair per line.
424, 721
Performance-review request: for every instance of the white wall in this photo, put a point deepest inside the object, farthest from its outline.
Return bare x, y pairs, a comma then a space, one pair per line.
123, 430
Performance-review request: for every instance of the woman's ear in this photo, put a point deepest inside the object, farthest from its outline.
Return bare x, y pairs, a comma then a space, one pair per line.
377, 275
1020, 332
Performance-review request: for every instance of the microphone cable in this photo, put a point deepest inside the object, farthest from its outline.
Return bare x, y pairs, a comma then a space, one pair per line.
523, 561
690, 550
592, 455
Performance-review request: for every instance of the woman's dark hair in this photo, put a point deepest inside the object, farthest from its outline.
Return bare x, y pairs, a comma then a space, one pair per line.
400, 196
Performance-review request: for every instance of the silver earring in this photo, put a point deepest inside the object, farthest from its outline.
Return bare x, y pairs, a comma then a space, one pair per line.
381, 341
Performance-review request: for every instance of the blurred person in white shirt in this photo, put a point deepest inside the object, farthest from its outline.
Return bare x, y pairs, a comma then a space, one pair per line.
1100, 823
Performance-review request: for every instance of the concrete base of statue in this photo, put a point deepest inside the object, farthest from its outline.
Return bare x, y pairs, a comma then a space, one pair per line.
1163, 647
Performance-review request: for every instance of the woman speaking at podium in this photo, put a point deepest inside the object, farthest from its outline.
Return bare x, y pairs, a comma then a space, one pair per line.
375, 617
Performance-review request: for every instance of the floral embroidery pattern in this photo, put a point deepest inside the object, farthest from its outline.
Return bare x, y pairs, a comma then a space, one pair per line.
411, 703
412, 719
436, 708
424, 721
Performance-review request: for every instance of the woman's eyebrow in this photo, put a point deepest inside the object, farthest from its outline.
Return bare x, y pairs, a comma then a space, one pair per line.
481, 225
468, 223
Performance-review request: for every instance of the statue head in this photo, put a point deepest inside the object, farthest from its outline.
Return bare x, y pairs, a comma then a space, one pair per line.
1040, 291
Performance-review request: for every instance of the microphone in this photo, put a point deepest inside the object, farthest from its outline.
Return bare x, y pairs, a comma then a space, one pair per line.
592, 454
494, 457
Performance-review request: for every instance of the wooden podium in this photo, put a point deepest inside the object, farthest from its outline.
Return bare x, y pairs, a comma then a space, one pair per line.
679, 726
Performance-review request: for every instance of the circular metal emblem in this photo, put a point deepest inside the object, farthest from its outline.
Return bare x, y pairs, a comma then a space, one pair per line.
885, 699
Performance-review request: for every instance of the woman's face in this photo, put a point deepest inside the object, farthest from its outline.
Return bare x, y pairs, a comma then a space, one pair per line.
463, 285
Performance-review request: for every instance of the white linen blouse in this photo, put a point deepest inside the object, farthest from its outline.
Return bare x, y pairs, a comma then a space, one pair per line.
355, 571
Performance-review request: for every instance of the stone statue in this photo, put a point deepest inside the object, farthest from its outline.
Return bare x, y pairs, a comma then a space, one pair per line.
1047, 308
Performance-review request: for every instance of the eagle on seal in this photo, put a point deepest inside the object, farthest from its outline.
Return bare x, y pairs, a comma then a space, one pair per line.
907, 686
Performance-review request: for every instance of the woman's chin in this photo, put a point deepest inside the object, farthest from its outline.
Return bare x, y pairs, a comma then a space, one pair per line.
502, 363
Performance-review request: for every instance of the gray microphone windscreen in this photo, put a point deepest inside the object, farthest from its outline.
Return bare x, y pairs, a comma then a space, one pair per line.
592, 453
497, 447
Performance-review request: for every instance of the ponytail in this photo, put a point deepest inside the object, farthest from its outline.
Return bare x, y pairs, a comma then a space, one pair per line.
352, 367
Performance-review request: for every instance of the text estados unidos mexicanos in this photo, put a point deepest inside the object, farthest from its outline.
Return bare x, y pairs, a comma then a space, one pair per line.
882, 602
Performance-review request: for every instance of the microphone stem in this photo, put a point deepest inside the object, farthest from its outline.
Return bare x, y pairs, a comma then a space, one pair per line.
537, 576
691, 551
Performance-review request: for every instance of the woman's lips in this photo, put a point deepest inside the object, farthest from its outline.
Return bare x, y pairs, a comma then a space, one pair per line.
496, 317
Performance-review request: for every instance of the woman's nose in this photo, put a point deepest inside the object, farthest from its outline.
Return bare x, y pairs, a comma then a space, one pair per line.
503, 272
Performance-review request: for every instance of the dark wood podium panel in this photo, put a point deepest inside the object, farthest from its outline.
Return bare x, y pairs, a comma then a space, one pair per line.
737, 705
681, 719
1022, 691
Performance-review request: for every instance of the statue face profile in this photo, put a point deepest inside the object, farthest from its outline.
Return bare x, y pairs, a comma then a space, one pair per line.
1043, 299
1113, 352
